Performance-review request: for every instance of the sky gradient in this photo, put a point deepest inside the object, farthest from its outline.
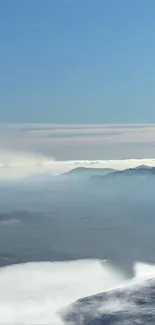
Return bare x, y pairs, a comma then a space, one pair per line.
82, 61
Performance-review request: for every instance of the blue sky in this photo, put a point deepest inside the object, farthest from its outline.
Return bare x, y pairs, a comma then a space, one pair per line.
77, 61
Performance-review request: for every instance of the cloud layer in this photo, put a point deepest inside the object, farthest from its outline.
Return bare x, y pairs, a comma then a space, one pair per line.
67, 142
58, 147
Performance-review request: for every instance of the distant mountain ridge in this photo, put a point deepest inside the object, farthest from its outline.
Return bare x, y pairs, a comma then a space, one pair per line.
87, 172
139, 170
80, 173
136, 171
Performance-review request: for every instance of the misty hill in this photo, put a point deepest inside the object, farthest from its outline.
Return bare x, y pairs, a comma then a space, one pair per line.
137, 171
84, 172
133, 183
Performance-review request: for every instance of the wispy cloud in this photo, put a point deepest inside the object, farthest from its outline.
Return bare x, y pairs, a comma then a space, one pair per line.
79, 141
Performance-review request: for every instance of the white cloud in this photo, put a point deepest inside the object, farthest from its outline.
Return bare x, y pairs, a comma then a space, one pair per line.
36, 293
